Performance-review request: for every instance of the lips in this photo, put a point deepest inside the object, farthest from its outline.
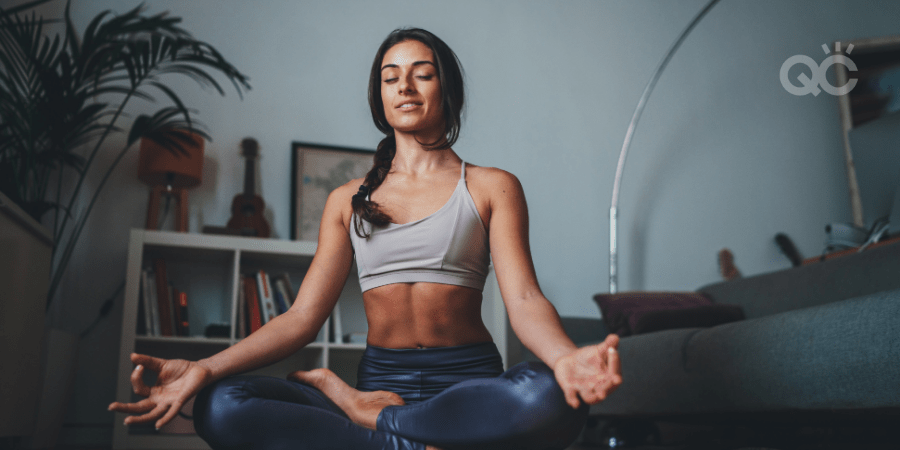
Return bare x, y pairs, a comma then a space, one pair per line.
408, 105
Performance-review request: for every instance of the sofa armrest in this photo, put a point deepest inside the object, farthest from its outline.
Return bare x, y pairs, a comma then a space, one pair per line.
874, 270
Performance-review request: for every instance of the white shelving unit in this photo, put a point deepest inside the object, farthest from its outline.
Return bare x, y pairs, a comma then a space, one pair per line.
208, 269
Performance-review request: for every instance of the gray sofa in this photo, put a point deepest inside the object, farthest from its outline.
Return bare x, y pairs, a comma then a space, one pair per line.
820, 340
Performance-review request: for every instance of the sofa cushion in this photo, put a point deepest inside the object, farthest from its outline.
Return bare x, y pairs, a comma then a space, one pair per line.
631, 313
839, 356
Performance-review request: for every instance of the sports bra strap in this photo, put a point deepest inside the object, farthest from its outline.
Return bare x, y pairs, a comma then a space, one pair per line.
462, 172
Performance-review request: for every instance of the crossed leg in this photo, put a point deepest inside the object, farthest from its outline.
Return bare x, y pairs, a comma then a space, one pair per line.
522, 409
253, 412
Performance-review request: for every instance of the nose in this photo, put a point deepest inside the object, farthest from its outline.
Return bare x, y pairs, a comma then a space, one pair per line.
405, 85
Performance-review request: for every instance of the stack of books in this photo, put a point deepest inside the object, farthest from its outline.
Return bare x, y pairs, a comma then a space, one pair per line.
262, 298
163, 308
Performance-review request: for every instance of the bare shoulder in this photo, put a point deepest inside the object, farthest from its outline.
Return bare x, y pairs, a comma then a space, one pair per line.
492, 182
339, 201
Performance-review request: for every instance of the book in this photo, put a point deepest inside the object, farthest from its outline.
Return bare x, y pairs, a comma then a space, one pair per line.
176, 312
241, 313
282, 292
253, 312
280, 301
154, 303
290, 294
148, 302
182, 326
266, 299
166, 322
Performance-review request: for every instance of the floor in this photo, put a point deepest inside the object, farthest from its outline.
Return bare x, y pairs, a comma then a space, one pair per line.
745, 436
663, 436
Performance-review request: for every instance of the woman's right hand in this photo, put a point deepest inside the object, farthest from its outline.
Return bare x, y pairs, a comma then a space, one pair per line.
177, 382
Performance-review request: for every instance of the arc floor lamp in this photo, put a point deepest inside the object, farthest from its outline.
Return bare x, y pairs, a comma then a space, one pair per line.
620, 167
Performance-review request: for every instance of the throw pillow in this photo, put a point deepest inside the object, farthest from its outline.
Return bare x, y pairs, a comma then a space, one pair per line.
644, 312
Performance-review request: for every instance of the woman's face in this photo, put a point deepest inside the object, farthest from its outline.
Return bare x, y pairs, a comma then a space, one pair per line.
411, 90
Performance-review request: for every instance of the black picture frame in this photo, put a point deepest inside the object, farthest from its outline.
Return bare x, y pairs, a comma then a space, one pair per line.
316, 170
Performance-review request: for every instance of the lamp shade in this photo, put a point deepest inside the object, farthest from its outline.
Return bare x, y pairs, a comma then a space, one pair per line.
159, 165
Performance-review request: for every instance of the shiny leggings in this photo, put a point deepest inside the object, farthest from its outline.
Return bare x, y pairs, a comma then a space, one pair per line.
456, 397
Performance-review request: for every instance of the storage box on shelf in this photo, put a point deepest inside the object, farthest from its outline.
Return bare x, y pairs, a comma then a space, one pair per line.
208, 268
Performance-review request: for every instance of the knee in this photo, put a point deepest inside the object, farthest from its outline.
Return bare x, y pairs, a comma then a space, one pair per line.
218, 412
537, 385
542, 397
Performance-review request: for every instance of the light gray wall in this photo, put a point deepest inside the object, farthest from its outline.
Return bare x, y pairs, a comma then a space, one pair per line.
724, 156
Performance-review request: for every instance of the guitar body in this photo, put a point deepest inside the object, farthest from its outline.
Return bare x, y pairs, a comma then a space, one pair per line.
247, 208
247, 216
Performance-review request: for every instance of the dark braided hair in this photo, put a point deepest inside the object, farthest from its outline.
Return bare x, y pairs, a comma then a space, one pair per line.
450, 75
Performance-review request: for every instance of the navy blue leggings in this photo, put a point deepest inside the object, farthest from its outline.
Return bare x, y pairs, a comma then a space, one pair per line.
456, 397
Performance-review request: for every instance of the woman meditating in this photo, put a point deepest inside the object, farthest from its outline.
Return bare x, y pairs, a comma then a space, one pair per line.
423, 226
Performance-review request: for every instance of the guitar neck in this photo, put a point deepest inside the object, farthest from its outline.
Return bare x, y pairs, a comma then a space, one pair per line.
249, 178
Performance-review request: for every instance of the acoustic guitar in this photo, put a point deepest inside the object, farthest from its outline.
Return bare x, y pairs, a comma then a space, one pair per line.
247, 208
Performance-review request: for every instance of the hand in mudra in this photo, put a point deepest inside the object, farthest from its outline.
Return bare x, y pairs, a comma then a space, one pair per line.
177, 382
590, 373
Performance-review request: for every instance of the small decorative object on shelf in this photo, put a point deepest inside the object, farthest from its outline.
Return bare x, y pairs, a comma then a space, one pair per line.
169, 170
247, 208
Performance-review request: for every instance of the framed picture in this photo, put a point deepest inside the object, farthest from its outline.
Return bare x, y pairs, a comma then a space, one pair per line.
316, 170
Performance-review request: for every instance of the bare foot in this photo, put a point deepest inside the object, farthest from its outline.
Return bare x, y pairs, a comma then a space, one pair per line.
361, 407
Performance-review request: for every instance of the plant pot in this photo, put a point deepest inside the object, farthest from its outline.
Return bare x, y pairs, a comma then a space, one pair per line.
60, 361
24, 282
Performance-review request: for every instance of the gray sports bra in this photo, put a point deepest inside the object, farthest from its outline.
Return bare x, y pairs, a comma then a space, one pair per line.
447, 247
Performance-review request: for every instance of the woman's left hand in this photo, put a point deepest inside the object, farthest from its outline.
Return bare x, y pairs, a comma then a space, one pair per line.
590, 373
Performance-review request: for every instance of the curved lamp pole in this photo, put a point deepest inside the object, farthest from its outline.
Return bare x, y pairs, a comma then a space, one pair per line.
638, 110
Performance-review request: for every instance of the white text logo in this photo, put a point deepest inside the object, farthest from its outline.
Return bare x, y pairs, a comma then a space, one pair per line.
818, 82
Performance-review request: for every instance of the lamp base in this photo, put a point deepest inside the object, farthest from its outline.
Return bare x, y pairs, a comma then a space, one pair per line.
180, 197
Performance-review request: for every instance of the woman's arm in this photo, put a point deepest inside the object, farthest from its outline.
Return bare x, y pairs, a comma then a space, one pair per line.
533, 318
589, 373
289, 332
179, 380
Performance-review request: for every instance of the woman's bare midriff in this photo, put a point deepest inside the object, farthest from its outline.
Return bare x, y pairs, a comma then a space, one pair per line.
424, 315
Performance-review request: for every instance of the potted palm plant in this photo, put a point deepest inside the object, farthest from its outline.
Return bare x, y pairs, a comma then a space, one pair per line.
63, 98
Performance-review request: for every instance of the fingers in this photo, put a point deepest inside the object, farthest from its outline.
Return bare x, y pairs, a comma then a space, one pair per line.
155, 413
154, 364
615, 366
572, 397
173, 410
133, 408
137, 382
612, 340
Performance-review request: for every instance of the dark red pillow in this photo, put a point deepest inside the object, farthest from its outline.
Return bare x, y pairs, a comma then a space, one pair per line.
643, 312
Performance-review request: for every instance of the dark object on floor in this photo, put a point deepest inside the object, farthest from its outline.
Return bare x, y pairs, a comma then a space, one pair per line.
786, 245
614, 434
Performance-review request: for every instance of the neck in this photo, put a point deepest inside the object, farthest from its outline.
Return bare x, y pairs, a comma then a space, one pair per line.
419, 160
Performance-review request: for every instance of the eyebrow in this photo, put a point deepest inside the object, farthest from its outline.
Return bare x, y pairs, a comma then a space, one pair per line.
417, 63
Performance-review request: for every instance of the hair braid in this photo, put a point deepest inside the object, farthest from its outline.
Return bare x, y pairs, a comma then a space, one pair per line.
367, 209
